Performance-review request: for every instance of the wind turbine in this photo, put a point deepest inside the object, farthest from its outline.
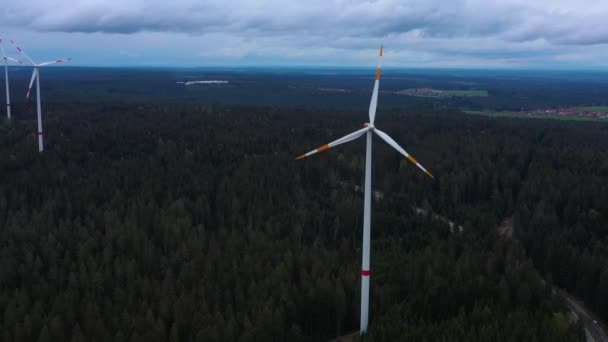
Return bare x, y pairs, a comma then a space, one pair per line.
368, 129
6, 59
36, 77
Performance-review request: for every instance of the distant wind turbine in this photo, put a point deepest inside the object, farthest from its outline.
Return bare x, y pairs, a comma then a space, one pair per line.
368, 129
6, 59
36, 77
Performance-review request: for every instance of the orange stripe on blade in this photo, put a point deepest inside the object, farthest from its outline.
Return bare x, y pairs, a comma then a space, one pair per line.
301, 157
412, 159
378, 71
381, 48
322, 148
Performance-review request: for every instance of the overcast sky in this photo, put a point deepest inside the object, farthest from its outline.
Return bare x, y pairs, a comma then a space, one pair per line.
416, 33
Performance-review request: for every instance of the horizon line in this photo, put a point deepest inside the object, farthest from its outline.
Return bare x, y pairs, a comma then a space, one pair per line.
330, 67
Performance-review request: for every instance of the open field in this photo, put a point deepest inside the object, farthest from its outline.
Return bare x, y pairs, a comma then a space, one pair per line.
507, 114
603, 109
440, 93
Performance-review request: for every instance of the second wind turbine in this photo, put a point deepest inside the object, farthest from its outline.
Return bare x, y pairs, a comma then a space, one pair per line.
368, 129
36, 77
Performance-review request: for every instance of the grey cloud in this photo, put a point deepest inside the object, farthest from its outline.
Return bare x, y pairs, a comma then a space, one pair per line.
565, 28
559, 22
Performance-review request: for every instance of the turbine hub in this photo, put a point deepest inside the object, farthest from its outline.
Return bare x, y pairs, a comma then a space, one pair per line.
368, 125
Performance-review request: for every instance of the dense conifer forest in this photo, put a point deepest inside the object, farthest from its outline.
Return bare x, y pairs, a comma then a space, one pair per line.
173, 222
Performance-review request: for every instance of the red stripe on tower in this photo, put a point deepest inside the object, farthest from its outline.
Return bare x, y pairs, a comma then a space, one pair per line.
8, 104
365, 273
39, 133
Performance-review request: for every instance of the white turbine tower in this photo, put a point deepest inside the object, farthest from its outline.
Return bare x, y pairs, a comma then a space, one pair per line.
368, 129
7, 59
36, 77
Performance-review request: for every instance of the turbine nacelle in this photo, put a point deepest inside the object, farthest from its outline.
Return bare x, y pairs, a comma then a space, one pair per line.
37, 66
370, 127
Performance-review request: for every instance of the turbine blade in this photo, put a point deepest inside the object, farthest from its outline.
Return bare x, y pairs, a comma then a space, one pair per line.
29, 89
340, 141
22, 52
374, 102
14, 60
2, 47
396, 146
56, 61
